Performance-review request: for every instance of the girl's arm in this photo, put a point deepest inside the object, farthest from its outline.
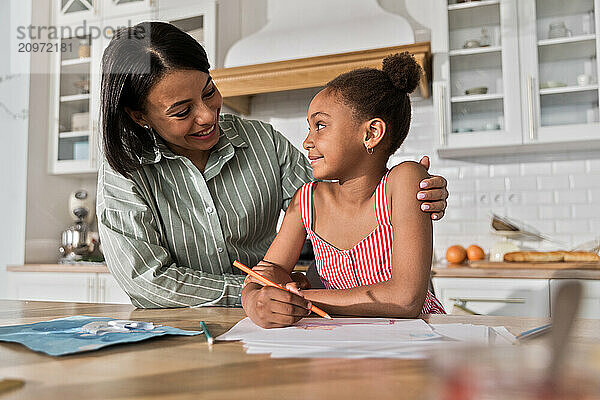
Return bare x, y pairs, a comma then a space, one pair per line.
404, 293
271, 307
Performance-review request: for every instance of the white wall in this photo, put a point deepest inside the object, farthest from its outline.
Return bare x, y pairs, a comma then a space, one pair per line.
14, 103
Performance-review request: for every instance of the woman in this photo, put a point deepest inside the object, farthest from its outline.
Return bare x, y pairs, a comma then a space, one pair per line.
183, 191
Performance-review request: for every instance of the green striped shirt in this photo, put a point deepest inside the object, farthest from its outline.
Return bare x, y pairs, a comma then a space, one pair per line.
170, 232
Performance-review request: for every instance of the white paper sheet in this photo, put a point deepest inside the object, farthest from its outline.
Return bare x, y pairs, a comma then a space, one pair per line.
361, 338
337, 330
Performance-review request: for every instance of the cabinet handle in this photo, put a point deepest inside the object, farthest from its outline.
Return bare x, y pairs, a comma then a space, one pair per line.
487, 300
531, 105
151, 3
442, 114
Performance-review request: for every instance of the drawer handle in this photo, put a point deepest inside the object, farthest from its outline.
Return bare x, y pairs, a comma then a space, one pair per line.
487, 300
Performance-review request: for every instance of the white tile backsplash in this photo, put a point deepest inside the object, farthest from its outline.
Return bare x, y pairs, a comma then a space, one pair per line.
571, 196
554, 212
553, 182
560, 198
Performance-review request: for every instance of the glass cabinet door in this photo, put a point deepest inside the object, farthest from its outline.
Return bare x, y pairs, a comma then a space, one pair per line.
72, 122
560, 68
479, 100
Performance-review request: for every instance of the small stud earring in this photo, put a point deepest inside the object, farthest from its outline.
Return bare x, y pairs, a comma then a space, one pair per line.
370, 150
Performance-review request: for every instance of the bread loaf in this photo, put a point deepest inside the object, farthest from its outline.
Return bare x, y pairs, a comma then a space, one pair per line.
551, 256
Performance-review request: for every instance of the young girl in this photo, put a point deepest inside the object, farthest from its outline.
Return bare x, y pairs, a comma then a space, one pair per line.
372, 252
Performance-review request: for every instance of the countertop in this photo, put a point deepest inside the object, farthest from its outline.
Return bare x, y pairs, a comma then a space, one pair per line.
79, 268
443, 271
82, 268
181, 367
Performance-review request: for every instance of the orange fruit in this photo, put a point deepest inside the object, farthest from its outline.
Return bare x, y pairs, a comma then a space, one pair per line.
475, 253
456, 254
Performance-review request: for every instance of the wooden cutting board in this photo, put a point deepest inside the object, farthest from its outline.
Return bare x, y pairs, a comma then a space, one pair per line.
534, 265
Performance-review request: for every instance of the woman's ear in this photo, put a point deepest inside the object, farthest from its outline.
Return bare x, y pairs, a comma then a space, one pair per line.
374, 132
137, 117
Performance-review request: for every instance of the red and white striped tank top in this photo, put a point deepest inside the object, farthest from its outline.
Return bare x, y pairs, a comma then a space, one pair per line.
369, 261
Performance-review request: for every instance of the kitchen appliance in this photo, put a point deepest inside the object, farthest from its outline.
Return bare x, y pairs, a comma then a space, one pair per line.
78, 243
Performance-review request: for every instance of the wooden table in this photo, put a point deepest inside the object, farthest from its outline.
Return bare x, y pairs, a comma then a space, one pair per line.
183, 367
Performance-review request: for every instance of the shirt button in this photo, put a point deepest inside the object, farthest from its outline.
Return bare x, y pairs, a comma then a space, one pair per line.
220, 249
209, 210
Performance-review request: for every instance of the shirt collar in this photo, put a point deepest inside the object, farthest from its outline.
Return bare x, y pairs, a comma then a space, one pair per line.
228, 137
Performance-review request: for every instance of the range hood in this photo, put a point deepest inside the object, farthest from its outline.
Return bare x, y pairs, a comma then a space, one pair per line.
307, 43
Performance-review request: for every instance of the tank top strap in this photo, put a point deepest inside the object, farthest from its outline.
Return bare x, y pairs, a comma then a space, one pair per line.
381, 206
306, 205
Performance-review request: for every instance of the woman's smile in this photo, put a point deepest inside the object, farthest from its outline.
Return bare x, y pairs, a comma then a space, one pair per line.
205, 134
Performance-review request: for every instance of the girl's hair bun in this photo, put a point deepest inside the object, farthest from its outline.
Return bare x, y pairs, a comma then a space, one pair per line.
403, 70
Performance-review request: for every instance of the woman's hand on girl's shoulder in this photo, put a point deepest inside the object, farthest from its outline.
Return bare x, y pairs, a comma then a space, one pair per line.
433, 193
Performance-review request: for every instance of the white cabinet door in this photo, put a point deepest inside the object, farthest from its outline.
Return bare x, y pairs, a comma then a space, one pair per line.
495, 296
478, 97
52, 286
590, 302
109, 291
559, 69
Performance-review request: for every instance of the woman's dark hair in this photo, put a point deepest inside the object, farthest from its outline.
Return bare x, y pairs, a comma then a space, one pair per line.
135, 60
373, 93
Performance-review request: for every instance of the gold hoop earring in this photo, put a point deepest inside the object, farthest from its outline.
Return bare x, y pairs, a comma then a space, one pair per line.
370, 150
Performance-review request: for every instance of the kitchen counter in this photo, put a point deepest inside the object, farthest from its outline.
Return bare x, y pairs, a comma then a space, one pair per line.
83, 268
442, 271
181, 367
80, 268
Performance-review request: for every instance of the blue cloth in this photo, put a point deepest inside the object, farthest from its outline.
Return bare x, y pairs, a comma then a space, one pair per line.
66, 336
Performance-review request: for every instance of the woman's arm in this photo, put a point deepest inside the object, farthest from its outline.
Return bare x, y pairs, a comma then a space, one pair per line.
140, 262
404, 293
271, 307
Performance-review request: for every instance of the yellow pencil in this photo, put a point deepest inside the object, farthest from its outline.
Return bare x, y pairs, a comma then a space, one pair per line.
267, 282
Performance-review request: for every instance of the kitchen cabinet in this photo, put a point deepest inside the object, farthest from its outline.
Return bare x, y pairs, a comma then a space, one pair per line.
552, 60
481, 57
73, 129
590, 301
495, 296
51, 286
109, 291
521, 295
506, 82
74, 144
65, 286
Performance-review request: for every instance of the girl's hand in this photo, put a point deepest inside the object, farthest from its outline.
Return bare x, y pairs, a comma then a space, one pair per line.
433, 194
270, 307
272, 272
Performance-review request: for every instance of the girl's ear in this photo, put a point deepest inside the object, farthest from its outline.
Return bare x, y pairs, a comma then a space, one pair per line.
374, 132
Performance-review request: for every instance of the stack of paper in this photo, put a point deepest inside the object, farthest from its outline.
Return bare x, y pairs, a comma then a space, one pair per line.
360, 337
